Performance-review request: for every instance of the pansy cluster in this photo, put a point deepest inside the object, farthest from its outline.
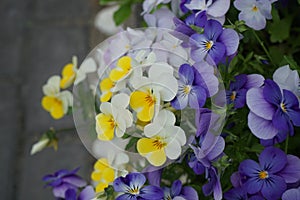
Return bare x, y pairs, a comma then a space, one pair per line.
195, 107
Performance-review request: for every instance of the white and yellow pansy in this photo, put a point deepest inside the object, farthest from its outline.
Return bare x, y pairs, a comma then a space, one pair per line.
114, 118
88, 66
164, 140
55, 101
69, 73
161, 85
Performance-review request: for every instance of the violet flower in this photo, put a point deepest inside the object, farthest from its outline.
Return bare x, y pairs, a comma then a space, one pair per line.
254, 12
160, 18
214, 44
272, 111
190, 89
267, 176
132, 187
177, 190
63, 180
87, 193
214, 184
238, 88
291, 194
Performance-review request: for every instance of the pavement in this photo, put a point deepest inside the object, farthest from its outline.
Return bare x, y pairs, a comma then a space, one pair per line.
37, 38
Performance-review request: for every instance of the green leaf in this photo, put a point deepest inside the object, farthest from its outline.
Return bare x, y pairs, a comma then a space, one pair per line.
290, 60
122, 13
280, 30
105, 2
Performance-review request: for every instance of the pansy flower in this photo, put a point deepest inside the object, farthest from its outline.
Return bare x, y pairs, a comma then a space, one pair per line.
149, 5
69, 74
103, 174
265, 176
238, 88
114, 118
254, 12
291, 194
214, 44
272, 110
106, 86
190, 90
177, 191
132, 188
163, 139
56, 102
87, 193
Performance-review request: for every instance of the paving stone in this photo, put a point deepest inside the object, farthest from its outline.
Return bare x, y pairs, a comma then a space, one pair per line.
9, 130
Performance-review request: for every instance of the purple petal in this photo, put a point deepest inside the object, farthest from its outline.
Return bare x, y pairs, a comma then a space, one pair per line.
272, 159
189, 193
292, 194
217, 148
254, 20
249, 168
275, 188
236, 194
197, 167
295, 116
201, 19
291, 172
256, 197
235, 179
218, 190
151, 192
126, 197
74, 180
153, 175
120, 185
230, 39
281, 120
240, 81
176, 188
218, 8
292, 104
258, 105
87, 194
216, 53
70, 194
213, 29
180, 101
240, 99
261, 128
61, 190
253, 185
136, 180
186, 74
202, 121
254, 80
272, 92
197, 97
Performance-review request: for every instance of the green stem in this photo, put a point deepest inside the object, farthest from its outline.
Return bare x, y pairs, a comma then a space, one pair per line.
262, 45
286, 144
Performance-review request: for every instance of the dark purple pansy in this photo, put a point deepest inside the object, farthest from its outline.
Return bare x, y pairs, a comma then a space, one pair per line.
132, 187
265, 176
63, 180
182, 5
236, 194
177, 190
238, 88
190, 89
87, 193
272, 111
214, 185
214, 44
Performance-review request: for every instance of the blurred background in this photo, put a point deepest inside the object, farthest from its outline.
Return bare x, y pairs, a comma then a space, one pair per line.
37, 38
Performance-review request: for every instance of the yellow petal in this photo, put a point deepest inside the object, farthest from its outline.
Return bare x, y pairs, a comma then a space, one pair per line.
124, 63
143, 104
106, 84
122, 69
48, 102
101, 164
96, 176
101, 186
68, 76
145, 146
107, 135
109, 175
105, 122
106, 96
157, 158
57, 110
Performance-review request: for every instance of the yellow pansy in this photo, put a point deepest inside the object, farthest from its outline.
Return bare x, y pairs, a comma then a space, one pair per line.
54, 101
105, 86
122, 70
103, 174
69, 74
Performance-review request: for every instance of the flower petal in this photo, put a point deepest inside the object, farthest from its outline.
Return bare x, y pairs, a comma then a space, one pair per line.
272, 159
197, 97
261, 128
272, 93
291, 194
230, 39
151, 192
173, 149
249, 168
254, 80
291, 172
275, 188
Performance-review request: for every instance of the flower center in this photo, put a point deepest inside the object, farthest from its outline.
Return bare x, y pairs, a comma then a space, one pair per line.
187, 89
254, 8
158, 144
233, 96
150, 99
283, 107
209, 45
134, 191
263, 175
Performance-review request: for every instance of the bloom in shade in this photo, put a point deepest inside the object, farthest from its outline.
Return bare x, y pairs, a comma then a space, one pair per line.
163, 139
190, 90
265, 176
69, 74
63, 180
132, 187
214, 44
56, 102
272, 110
87, 193
177, 191
254, 12
238, 88
114, 118
103, 174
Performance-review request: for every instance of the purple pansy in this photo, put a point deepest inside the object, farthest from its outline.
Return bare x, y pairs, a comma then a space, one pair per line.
272, 111
177, 190
87, 193
214, 44
254, 12
190, 90
291, 194
236, 194
132, 187
238, 88
214, 184
63, 180
269, 177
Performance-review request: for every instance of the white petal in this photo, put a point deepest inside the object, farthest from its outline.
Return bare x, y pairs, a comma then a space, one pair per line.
173, 149
152, 129
120, 100
167, 85
121, 158
52, 87
89, 65
158, 68
165, 118
106, 108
